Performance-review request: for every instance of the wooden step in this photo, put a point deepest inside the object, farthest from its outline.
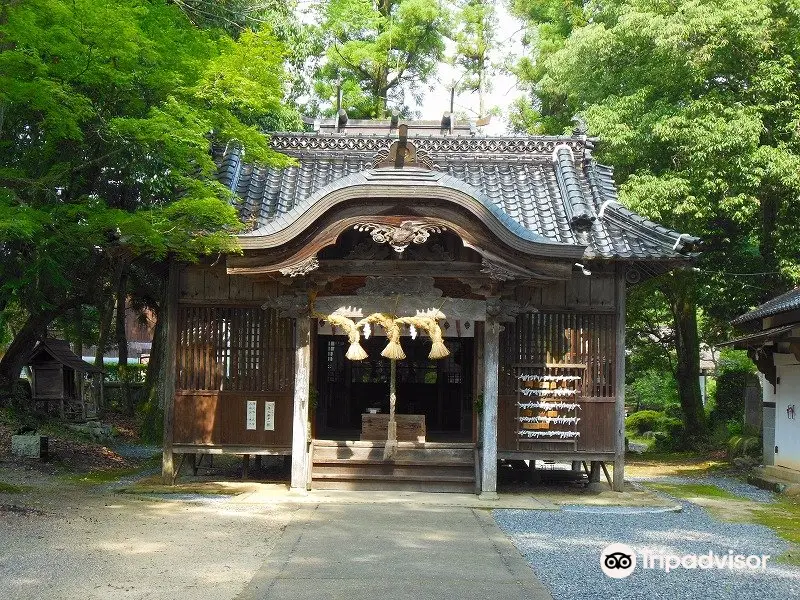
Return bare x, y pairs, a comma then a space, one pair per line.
405, 452
416, 477
395, 486
400, 462
389, 470
359, 465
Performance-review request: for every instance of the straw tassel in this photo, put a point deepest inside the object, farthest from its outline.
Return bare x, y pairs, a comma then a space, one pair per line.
438, 349
393, 349
431, 326
355, 351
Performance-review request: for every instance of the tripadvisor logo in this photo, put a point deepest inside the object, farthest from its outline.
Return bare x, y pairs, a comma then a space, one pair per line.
620, 560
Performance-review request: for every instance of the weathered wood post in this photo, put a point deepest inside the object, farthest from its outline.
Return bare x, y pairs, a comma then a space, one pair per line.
619, 386
168, 371
302, 385
491, 374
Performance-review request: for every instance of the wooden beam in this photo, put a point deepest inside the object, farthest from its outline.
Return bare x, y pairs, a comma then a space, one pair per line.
556, 455
302, 383
605, 471
619, 386
491, 353
170, 312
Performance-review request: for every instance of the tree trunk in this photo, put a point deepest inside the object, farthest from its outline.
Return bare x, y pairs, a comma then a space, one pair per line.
683, 305
104, 327
150, 392
122, 340
34, 329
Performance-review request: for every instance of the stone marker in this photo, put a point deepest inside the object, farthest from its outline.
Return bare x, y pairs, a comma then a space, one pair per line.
29, 446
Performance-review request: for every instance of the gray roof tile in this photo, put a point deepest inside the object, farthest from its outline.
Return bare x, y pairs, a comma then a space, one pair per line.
552, 187
783, 303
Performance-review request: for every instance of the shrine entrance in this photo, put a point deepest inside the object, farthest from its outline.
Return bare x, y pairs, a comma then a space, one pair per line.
438, 390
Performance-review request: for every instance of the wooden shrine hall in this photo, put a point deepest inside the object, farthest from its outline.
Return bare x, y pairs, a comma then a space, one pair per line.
413, 303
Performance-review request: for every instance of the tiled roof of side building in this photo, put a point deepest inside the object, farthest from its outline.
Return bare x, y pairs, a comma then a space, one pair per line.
783, 303
551, 186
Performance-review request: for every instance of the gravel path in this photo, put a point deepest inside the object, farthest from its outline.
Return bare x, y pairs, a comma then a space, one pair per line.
564, 550
729, 484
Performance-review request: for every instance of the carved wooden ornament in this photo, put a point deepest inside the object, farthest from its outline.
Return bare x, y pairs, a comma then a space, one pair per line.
399, 238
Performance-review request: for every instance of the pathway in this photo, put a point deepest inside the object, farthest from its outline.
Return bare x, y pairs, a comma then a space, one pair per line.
366, 551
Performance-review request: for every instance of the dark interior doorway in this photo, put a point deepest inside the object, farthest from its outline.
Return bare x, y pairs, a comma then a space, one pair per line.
439, 389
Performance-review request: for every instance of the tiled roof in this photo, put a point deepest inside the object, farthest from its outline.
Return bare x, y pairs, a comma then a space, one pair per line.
550, 186
783, 303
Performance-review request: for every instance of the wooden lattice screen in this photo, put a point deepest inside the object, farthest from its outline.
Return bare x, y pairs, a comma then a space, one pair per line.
234, 348
562, 338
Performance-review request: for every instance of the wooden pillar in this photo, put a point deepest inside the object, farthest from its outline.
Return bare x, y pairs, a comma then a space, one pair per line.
619, 385
168, 369
491, 374
302, 382
594, 472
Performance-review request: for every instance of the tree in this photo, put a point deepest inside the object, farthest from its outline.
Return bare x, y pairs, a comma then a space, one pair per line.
300, 42
376, 51
696, 106
108, 110
475, 37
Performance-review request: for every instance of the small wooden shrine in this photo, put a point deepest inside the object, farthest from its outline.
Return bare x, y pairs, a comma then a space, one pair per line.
65, 382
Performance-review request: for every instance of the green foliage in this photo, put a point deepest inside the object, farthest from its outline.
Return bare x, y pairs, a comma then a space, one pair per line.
734, 360
652, 390
377, 51
475, 37
729, 397
671, 436
744, 445
108, 112
644, 420
131, 373
697, 111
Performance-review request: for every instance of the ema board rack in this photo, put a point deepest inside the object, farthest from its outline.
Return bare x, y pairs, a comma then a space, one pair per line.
548, 404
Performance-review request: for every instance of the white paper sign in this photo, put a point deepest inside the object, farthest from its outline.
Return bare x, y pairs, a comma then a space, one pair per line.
251, 414
269, 416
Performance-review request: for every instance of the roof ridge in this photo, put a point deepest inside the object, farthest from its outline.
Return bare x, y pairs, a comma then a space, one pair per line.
789, 300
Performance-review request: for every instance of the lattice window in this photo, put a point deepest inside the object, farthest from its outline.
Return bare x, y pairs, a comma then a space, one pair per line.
563, 338
232, 348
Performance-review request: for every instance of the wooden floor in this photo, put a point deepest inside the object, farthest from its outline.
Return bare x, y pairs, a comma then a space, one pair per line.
423, 467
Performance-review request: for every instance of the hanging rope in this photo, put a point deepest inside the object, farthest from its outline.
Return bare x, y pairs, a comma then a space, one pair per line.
393, 351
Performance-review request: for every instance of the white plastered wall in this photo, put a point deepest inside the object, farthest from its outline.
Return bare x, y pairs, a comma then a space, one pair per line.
787, 429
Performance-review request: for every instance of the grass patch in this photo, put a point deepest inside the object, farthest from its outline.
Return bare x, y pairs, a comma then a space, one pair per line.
10, 488
783, 517
688, 491
102, 476
634, 438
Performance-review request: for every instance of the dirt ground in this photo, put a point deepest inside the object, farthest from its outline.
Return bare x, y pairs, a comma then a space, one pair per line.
64, 540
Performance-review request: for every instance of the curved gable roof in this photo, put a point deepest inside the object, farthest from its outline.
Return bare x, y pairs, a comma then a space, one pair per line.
547, 190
